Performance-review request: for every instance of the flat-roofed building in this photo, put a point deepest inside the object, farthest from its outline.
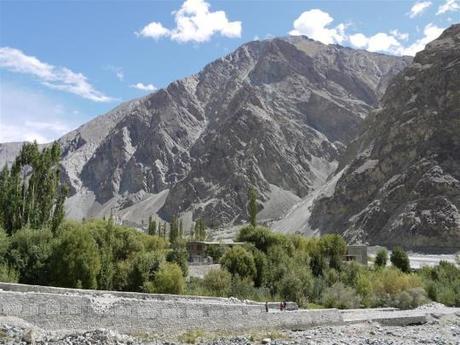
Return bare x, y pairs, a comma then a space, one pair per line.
198, 250
358, 253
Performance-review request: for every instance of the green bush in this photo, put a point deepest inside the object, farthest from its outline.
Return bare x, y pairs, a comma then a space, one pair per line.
400, 259
381, 258
168, 279
442, 283
341, 297
239, 261
179, 255
8, 274
29, 253
75, 261
218, 282
410, 299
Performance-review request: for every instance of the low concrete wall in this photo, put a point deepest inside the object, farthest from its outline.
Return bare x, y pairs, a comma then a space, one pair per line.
82, 310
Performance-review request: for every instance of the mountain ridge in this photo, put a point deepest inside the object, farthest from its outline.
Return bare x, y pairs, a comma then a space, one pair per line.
274, 114
401, 183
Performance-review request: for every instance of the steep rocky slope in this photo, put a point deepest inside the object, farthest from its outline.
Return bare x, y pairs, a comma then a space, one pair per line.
274, 114
403, 185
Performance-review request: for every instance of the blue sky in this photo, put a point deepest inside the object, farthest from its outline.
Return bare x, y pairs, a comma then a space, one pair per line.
65, 62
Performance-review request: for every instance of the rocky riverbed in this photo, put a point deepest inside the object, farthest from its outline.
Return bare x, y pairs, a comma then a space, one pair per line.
440, 329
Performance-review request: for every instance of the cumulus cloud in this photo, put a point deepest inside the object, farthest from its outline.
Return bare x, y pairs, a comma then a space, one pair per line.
316, 25
194, 23
380, 42
430, 33
60, 78
144, 87
418, 8
449, 6
391, 42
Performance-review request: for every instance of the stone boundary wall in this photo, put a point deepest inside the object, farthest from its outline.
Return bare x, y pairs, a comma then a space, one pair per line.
68, 309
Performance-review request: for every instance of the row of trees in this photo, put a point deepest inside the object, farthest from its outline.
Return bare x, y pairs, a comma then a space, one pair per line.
30, 192
38, 247
175, 230
310, 271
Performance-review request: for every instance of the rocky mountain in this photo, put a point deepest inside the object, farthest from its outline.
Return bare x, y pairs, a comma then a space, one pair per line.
274, 114
400, 183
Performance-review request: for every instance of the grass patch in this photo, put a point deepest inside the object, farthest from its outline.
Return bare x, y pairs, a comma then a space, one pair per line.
191, 337
144, 336
314, 306
258, 336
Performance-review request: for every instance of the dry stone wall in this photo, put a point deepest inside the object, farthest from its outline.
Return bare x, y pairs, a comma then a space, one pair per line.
58, 309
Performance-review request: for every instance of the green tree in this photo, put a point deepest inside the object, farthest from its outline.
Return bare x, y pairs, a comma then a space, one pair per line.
173, 230
152, 228
29, 252
107, 271
75, 261
200, 230
179, 255
381, 258
169, 279
252, 206
334, 247
30, 192
239, 261
218, 282
400, 259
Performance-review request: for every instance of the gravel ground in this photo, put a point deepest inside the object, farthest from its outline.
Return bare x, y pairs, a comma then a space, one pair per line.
438, 330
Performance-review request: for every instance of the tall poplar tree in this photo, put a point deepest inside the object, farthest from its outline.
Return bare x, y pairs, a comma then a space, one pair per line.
31, 194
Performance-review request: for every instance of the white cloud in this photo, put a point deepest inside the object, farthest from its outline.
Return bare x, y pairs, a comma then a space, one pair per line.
449, 6
194, 23
403, 36
26, 115
391, 42
418, 8
154, 30
118, 71
144, 87
60, 78
315, 24
380, 42
431, 32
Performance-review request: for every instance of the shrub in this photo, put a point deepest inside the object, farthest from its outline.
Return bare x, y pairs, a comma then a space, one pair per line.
29, 253
381, 258
400, 259
262, 238
296, 286
142, 268
4, 244
334, 247
169, 279
191, 337
218, 282
340, 296
239, 261
409, 299
8, 274
442, 283
75, 261
179, 255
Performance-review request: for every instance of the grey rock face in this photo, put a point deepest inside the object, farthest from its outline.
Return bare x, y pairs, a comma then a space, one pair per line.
403, 185
274, 114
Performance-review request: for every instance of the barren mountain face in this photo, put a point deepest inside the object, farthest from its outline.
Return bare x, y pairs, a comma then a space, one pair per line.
275, 114
402, 183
